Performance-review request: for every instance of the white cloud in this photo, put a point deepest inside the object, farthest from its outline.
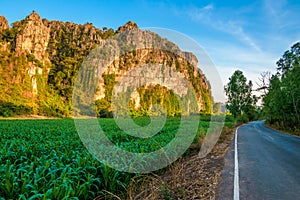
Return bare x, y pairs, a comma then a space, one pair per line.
257, 42
228, 58
209, 7
282, 15
198, 14
206, 16
244, 37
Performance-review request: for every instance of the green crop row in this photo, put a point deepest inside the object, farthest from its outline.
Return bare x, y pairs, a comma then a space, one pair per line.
45, 159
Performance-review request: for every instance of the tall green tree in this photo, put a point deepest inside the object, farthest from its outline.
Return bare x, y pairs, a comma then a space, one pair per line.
289, 60
239, 93
282, 102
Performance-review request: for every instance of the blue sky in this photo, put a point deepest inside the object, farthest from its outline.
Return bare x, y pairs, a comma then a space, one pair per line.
246, 35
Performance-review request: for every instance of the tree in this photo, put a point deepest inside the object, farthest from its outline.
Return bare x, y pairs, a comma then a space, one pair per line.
217, 108
289, 59
264, 83
239, 93
282, 102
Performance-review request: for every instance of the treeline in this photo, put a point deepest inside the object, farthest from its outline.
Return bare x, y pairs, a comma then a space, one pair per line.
241, 103
149, 98
282, 101
280, 94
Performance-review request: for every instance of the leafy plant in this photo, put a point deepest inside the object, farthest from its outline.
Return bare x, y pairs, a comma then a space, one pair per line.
45, 159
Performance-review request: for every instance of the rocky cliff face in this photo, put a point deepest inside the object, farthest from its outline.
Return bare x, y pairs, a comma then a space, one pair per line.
128, 26
3, 23
33, 37
51, 53
173, 62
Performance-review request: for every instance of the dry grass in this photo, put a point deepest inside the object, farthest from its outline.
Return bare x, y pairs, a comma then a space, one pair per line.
188, 178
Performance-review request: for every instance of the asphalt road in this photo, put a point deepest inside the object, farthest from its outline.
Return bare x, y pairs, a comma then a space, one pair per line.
269, 165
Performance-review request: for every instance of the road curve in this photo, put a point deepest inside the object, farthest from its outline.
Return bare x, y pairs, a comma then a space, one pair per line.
269, 165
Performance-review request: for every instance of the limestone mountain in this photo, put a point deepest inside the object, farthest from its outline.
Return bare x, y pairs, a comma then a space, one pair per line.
39, 61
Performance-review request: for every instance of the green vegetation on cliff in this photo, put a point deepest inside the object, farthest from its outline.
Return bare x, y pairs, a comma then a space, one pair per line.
40, 59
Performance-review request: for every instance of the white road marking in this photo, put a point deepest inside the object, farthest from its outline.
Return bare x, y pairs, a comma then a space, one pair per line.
236, 194
271, 137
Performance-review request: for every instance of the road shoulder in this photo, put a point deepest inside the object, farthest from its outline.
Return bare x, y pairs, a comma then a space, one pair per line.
190, 177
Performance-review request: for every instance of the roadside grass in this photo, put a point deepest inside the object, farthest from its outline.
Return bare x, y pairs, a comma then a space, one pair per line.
288, 130
190, 177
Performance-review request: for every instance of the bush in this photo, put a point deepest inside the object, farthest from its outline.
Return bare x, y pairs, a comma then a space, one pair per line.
243, 119
229, 118
205, 118
8, 109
